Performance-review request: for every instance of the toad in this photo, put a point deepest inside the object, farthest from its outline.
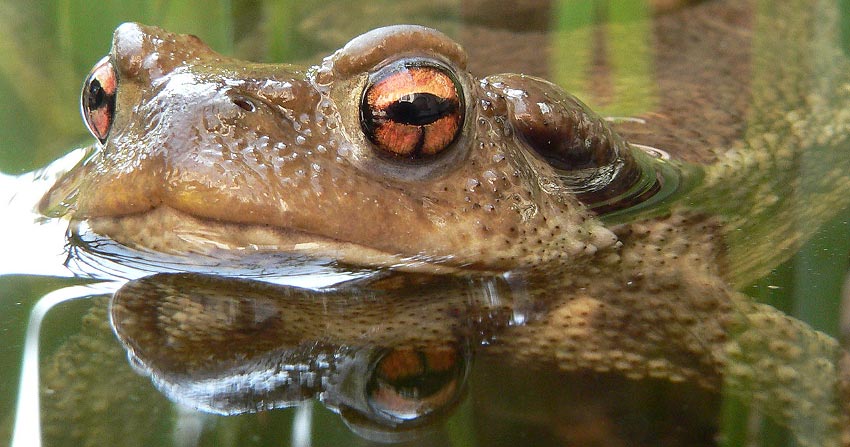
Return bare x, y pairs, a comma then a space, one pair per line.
390, 156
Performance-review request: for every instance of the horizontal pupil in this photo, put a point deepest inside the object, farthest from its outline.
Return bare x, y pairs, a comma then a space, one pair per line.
419, 109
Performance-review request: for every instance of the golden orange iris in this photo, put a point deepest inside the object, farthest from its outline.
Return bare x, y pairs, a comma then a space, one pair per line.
412, 110
98, 99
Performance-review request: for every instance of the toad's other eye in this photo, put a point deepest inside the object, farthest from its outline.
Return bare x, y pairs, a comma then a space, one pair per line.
411, 383
98, 99
412, 109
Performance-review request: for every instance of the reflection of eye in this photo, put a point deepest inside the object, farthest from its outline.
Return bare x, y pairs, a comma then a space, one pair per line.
409, 383
98, 98
412, 109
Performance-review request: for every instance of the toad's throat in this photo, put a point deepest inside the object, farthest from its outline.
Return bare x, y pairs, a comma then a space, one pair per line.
167, 230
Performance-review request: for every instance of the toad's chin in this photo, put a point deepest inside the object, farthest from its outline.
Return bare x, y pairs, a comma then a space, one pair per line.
169, 231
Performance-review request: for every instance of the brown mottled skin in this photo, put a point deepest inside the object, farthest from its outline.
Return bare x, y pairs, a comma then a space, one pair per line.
186, 170
185, 152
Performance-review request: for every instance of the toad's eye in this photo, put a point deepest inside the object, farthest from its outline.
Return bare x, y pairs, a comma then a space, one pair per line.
412, 109
98, 99
410, 383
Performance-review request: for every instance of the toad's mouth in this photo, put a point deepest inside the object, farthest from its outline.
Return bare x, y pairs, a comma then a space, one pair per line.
167, 230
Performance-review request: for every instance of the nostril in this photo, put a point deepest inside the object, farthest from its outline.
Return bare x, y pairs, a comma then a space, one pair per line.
244, 104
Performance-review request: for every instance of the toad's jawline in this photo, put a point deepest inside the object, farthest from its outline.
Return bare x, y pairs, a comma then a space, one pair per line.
170, 231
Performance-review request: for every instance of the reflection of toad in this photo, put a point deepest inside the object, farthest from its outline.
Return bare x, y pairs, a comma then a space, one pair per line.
230, 346
390, 156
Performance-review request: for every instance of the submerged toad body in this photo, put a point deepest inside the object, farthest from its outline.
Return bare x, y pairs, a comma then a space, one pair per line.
390, 155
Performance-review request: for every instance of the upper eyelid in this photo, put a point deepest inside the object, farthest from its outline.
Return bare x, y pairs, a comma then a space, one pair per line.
379, 47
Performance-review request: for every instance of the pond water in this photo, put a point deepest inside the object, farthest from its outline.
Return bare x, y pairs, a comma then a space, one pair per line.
448, 360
